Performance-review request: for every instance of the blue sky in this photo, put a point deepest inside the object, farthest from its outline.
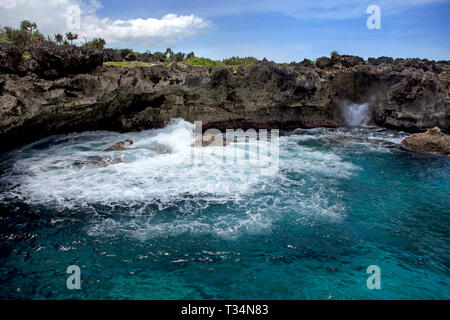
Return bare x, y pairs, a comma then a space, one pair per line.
282, 31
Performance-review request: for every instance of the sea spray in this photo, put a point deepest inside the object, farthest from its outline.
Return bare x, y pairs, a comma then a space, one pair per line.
355, 115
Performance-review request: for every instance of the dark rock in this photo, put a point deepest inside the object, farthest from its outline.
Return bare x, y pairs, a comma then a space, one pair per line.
112, 55
324, 62
130, 57
307, 63
402, 95
350, 61
146, 57
54, 61
10, 59
97, 162
380, 60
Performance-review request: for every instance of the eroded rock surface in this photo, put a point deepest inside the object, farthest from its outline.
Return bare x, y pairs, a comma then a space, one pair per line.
432, 140
56, 94
121, 145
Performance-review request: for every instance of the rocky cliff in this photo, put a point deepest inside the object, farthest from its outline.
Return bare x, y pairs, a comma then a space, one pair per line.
65, 89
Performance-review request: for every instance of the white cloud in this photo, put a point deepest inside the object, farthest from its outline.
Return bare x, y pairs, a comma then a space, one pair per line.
144, 31
51, 18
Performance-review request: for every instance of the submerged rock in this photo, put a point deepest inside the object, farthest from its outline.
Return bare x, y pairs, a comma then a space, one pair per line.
121, 145
98, 162
207, 140
432, 140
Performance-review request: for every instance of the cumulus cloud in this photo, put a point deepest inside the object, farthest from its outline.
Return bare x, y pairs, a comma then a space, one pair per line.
51, 17
145, 31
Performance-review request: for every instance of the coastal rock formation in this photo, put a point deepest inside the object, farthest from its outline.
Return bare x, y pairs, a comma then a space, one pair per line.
10, 59
207, 140
432, 140
52, 61
63, 89
98, 162
121, 145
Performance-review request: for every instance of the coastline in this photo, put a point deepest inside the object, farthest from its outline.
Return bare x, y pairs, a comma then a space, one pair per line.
50, 93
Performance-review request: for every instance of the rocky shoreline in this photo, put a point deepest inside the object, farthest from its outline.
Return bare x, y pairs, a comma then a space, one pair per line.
62, 89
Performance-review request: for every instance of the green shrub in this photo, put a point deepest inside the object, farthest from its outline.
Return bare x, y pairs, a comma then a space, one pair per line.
237, 61
176, 57
97, 43
334, 54
127, 64
160, 56
202, 62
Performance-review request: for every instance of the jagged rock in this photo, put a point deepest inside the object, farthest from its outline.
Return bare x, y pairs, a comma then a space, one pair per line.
121, 145
97, 162
380, 60
307, 63
130, 57
112, 55
146, 57
207, 140
266, 95
54, 61
432, 140
10, 59
324, 62
350, 61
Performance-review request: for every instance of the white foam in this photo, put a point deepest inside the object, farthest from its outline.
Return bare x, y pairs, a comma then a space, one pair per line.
147, 182
356, 114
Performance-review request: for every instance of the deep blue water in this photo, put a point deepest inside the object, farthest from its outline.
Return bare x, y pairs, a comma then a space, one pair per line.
155, 227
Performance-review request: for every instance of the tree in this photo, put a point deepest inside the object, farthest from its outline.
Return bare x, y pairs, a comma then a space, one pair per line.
160, 56
190, 55
177, 57
37, 36
97, 43
168, 52
28, 26
334, 54
71, 36
59, 38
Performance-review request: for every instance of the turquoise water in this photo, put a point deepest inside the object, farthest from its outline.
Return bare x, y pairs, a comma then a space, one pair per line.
155, 226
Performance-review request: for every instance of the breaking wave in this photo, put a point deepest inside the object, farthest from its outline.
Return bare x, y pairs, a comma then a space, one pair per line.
153, 189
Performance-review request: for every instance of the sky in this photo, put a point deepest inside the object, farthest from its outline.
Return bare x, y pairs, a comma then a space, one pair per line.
282, 31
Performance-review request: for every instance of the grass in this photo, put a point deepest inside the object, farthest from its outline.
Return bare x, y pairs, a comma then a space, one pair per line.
233, 63
26, 56
202, 62
127, 64
4, 40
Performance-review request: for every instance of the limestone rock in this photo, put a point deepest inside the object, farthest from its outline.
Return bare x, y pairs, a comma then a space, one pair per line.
432, 140
121, 145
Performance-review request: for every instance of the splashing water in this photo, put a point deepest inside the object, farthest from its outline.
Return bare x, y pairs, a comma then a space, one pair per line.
356, 115
154, 226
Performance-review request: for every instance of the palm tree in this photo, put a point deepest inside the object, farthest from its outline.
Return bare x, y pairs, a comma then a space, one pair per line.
168, 52
28, 26
59, 38
71, 36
